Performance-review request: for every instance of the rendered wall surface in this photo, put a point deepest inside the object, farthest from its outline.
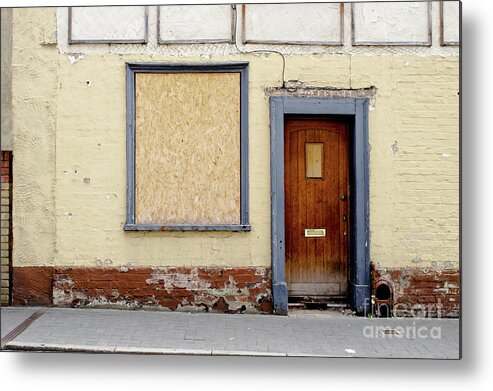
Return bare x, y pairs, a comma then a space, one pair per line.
6, 79
34, 121
414, 157
69, 125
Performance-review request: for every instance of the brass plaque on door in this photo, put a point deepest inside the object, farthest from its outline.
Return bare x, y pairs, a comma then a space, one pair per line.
314, 232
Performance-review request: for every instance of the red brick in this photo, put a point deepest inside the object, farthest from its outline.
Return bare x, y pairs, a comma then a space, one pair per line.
32, 285
428, 287
426, 284
195, 287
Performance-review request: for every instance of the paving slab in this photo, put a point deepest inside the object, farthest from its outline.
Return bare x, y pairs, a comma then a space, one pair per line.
300, 334
14, 316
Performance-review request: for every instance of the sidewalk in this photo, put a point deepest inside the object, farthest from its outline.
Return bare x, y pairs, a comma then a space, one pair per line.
302, 333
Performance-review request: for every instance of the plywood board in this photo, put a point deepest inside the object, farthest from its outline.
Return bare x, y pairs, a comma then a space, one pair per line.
295, 23
399, 23
195, 23
108, 24
450, 22
187, 168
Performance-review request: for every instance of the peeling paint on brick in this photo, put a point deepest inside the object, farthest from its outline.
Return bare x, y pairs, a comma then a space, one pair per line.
245, 289
428, 292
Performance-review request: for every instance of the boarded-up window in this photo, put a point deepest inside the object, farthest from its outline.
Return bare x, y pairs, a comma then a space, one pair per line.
450, 22
392, 23
196, 23
303, 24
120, 24
187, 152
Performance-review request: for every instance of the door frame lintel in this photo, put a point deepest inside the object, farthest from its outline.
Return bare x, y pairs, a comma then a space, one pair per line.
359, 241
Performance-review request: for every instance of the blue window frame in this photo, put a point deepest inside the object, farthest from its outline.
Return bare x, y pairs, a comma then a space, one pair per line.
238, 67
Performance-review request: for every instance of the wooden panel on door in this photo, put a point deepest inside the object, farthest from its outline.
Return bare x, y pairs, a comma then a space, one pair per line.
316, 206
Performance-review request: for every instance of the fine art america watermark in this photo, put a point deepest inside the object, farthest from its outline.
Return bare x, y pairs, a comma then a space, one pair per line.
415, 330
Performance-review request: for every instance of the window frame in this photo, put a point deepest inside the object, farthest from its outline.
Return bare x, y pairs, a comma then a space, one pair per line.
235, 67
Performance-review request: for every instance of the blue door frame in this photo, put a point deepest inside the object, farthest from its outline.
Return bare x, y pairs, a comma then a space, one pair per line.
356, 110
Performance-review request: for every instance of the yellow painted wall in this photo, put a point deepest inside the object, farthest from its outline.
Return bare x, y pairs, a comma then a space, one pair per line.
34, 99
69, 124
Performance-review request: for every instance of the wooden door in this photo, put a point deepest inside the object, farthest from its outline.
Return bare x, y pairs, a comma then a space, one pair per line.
316, 199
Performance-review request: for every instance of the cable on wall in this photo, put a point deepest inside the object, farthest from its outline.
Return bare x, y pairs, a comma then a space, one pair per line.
258, 50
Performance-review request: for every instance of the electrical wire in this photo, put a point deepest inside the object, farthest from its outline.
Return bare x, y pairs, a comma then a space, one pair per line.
259, 50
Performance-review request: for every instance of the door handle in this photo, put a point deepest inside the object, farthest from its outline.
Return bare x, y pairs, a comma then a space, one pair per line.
342, 197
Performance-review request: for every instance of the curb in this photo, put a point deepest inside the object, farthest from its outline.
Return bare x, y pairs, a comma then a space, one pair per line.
42, 347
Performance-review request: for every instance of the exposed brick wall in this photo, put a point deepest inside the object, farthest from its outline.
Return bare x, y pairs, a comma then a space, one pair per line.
241, 289
5, 224
422, 291
32, 285
298, 89
416, 291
